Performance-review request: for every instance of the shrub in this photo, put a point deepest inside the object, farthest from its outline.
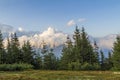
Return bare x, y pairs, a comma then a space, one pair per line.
74, 65
15, 67
87, 66
115, 69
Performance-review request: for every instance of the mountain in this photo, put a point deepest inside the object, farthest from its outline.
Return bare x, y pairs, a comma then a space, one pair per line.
54, 38
6, 28
107, 41
50, 36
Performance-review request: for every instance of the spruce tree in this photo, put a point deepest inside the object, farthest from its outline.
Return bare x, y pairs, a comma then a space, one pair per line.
9, 52
116, 54
2, 50
87, 51
44, 52
110, 63
37, 61
67, 54
77, 45
102, 60
15, 49
27, 53
80, 52
50, 61
96, 51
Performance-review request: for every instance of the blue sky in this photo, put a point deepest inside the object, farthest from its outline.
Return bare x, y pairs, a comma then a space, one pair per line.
99, 17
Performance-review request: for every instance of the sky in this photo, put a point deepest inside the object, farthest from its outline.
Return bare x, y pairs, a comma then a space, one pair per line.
99, 17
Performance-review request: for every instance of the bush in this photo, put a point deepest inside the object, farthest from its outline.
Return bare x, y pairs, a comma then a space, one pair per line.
115, 69
74, 66
15, 67
87, 66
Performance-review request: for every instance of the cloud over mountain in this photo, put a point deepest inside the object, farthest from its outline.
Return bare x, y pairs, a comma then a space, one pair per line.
49, 36
6, 28
107, 41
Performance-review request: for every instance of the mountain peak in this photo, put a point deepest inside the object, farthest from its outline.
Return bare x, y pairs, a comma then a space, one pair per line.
6, 28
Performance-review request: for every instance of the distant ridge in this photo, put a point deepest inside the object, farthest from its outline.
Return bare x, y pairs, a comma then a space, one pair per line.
54, 38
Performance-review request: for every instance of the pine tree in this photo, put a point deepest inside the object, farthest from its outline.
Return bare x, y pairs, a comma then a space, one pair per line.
67, 54
80, 53
110, 63
102, 60
9, 52
116, 54
37, 61
77, 45
87, 52
15, 49
2, 50
27, 53
50, 61
44, 52
96, 51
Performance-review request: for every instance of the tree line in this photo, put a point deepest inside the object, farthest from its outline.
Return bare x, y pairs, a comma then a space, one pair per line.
78, 54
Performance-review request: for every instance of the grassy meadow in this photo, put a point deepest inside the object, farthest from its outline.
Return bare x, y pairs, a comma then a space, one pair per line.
60, 75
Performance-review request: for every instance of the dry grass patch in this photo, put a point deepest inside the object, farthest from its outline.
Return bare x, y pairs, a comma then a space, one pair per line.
59, 75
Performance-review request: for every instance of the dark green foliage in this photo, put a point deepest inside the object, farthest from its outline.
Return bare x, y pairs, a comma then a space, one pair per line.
102, 60
9, 52
110, 60
15, 54
116, 54
50, 61
2, 51
68, 55
37, 62
80, 53
96, 52
74, 65
77, 54
88, 66
27, 53
15, 49
87, 51
15, 67
77, 45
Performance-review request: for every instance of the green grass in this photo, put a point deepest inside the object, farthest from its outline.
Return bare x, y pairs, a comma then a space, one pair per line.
60, 75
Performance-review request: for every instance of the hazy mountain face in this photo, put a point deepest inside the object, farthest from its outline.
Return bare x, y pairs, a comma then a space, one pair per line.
50, 36
107, 41
6, 28
53, 37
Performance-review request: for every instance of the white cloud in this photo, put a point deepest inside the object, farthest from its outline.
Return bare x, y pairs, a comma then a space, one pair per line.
81, 20
20, 29
49, 36
71, 23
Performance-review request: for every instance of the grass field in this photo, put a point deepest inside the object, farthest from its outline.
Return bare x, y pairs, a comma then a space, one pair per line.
60, 75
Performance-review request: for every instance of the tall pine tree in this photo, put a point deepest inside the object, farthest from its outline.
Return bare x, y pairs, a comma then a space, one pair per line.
50, 60
15, 46
77, 45
27, 55
87, 51
9, 52
102, 60
67, 54
2, 50
116, 54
